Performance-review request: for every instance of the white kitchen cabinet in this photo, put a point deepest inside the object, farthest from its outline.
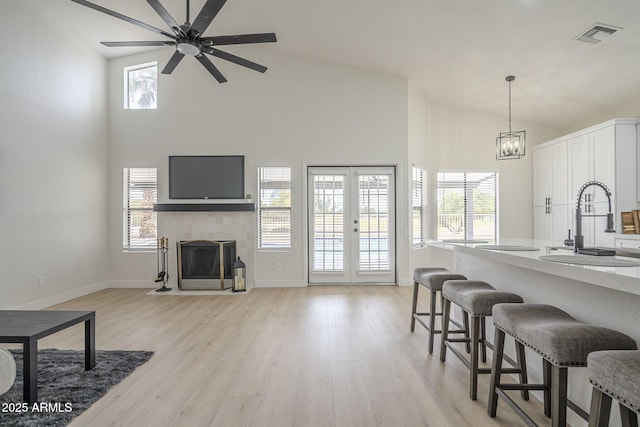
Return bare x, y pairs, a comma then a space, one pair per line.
550, 189
607, 153
592, 157
550, 169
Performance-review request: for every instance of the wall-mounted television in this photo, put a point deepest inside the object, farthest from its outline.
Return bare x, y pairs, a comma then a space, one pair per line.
206, 177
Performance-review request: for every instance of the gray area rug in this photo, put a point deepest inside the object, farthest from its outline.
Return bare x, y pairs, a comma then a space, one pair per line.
65, 389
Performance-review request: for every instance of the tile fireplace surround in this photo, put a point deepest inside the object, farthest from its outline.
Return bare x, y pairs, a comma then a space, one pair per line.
238, 226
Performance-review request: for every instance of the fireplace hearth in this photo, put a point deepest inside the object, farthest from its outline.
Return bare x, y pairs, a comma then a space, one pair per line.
206, 264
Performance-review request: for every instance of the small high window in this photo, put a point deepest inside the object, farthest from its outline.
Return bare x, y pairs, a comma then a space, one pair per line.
141, 86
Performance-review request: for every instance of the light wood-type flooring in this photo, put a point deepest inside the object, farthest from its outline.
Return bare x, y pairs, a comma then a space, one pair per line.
313, 356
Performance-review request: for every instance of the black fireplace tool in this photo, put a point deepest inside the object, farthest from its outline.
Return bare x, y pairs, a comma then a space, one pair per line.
163, 276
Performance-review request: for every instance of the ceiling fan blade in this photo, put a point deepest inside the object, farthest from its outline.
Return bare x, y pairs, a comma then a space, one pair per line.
141, 43
206, 15
239, 39
173, 62
212, 68
166, 17
123, 17
235, 59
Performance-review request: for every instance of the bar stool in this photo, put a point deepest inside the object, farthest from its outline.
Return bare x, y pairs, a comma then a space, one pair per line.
432, 278
614, 374
476, 299
561, 340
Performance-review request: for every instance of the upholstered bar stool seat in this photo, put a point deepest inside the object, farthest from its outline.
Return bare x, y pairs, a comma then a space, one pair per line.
561, 340
476, 299
614, 374
431, 278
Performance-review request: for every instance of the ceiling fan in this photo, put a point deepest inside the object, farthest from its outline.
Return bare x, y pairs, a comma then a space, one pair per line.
187, 38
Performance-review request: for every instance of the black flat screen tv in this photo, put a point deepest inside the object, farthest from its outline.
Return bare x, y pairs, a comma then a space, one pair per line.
206, 177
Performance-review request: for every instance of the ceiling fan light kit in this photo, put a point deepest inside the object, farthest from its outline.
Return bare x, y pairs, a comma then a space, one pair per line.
187, 38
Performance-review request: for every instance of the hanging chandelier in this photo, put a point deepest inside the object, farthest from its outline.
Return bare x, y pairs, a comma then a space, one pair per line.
510, 145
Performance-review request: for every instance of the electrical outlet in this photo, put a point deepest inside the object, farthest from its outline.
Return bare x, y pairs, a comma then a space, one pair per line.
277, 266
86, 272
42, 281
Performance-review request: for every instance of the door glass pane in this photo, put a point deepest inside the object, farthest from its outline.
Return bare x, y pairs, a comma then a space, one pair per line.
328, 227
373, 196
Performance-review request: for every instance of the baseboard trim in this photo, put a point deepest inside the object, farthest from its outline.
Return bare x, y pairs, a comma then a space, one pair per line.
62, 297
279, 284
134, 284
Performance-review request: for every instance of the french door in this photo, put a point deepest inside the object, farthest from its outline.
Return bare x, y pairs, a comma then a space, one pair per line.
351, 224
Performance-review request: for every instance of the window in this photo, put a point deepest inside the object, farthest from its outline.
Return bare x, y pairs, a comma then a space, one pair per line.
141, 86
467, 205
418, 206
140, 192
274, 208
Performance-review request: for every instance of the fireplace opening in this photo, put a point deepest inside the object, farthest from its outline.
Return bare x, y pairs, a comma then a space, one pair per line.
206, 264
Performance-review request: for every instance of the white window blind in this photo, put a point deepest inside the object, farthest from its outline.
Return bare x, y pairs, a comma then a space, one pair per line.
141, 86
274, 208
418, 206
140, 192
467, 205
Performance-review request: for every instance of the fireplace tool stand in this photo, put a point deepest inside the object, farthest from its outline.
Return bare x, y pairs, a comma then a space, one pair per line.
163, 276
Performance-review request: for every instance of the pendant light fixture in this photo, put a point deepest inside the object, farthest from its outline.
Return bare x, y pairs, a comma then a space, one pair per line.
510, 145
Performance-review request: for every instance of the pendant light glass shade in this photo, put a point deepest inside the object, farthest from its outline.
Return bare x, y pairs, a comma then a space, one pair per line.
511, 144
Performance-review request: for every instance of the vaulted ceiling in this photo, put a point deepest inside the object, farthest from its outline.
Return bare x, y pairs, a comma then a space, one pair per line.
457, 51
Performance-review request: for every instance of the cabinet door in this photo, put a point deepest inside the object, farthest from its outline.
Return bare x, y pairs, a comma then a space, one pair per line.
581, 164
604, 161
559, 174
560, 223
542, 175
541, 223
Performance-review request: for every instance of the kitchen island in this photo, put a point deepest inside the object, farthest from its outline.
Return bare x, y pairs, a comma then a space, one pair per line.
603, 296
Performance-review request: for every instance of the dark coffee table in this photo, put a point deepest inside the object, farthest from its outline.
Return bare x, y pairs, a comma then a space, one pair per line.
28, 326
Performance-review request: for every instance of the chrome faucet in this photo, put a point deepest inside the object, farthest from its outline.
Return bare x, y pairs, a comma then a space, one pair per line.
578, 238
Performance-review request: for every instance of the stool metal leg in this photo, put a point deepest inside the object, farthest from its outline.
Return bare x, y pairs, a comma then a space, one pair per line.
465, 324
414, 307
483, 339
473, 379
446, 308
546, 378
496, 371
628, 417
432, 321
559, 396
522, 364
600, 409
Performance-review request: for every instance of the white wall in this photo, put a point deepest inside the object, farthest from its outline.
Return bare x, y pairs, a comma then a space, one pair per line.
53, 160
298, 113
449, 138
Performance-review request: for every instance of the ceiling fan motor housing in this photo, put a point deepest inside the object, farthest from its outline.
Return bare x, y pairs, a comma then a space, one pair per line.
188, 47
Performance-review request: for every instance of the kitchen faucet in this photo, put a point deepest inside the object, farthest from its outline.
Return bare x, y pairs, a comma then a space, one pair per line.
578, 239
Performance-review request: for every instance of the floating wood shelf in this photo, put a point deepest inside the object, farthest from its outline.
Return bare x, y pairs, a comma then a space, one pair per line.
204, 207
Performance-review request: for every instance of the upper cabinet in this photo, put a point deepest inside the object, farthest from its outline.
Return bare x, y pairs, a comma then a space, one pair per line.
607, 153
550, 170
592, 158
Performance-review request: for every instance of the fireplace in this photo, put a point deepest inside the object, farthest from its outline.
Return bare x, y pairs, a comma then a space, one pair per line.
206, 264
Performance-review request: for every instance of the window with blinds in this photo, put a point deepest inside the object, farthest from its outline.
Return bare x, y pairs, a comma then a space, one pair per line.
418, 206
140, 192
274, 208
467, 205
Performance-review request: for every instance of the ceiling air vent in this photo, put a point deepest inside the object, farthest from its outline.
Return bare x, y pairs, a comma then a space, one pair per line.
597, 33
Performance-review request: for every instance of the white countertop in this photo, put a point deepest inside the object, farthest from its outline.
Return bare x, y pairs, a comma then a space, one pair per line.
626, 279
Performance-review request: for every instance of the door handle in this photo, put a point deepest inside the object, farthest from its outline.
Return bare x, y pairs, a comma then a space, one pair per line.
355, 229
